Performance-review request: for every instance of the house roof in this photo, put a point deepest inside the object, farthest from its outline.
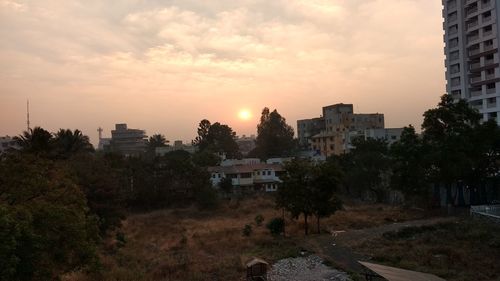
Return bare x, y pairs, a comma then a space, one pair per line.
398, 274
255, 261
250, 168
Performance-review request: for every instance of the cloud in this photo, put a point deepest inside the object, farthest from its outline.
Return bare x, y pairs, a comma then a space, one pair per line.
135, 56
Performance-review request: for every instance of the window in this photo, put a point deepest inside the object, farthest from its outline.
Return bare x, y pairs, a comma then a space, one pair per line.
455, 68
455, 81
455, 55
213, 176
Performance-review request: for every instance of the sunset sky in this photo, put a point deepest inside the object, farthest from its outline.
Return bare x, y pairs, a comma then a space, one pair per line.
164, 65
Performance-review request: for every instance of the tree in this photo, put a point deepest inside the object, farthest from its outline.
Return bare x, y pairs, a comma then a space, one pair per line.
309, 189
274, 136
45, 225
35, 140
216, 138
409, 170
67, 143
366, 167
448, 132
201, 140
157, 140
325, 180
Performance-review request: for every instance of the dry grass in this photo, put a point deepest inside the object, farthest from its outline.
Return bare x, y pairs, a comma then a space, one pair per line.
186, 244
461, 250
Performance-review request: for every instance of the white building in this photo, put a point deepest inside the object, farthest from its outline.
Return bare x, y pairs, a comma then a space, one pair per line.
7, 143
472, 57
247, 175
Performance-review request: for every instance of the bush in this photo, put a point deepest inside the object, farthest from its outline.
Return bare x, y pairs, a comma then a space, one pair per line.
276, 226
247, 230
259, 219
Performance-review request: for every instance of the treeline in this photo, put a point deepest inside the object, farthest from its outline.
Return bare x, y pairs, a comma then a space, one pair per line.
59, 198
455, 151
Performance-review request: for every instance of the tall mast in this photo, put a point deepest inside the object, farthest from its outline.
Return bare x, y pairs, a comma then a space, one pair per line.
28, 114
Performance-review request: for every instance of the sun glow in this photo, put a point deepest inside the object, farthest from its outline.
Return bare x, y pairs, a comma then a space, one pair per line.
244, 115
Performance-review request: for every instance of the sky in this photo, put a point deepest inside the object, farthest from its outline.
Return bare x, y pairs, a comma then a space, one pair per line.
164, 65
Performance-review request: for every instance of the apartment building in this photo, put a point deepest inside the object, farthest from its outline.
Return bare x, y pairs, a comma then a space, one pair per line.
334, 126
472, 55
129, 142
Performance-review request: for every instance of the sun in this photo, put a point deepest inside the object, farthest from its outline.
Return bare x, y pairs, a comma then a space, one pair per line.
244, 114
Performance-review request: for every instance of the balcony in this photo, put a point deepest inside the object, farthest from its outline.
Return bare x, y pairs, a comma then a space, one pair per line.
491, 91
485, 5
472, 24
488, 47
491, 105
473, 52
490, 76
471, 11
476, 93
489, 62
477, 106
475, 79
474, 66
472, 38
487, 33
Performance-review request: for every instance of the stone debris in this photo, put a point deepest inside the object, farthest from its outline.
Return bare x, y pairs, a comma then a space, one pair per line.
310, 268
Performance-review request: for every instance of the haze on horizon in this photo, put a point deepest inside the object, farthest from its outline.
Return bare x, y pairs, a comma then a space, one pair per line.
164, 65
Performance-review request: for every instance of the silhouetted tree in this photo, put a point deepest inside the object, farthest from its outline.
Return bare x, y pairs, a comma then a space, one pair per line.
274, 136
35, 140
448, 131
67, 143
409, 169
217, 138
157, 140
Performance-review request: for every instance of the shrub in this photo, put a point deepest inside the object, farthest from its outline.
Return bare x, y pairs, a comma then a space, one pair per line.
259, 219
247, 230
276, 226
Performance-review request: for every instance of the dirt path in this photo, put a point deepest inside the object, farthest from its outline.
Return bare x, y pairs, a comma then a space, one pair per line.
337, 248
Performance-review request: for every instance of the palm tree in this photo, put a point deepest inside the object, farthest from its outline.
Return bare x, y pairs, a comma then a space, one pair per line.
69, 142
35, 140
157, 140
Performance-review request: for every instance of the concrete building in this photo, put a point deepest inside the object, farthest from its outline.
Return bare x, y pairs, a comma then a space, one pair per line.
390, 135
248, 175
129, 142
338, 121
8, 143
246, 144
307, 128
472, 55
178, 145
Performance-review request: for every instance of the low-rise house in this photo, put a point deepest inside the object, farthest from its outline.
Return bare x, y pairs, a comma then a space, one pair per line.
248, 175
8, 143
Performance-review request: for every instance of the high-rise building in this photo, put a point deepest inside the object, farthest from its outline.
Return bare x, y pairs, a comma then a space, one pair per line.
472, 55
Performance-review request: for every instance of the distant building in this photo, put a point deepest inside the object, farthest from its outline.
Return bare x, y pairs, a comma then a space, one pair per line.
178, 145
390, 135
246, 144
129, 142
8, 143
307, 128
327, 135
248, 175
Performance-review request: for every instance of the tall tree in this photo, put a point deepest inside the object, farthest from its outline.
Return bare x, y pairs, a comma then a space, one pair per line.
35, 140
409, 170
67, 143
448, 131
309, 189
157, 140
367, 166
217, 137
274, 136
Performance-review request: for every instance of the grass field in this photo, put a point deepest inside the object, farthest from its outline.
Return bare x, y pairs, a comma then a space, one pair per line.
187, 244
465, 249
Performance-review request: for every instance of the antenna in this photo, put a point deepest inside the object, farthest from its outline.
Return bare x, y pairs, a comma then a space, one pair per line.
28, 114
100, 132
